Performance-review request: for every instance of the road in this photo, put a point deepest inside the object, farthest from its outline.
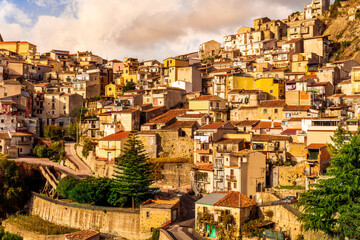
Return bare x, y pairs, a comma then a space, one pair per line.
82, 171
184, 228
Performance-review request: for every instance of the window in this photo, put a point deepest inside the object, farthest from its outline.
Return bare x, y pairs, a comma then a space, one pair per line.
235, 185
265, 110
288, 115
276, 111
147, 214
271, 91
2, 121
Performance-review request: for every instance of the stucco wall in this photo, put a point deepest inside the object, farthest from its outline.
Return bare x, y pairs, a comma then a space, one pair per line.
115, 221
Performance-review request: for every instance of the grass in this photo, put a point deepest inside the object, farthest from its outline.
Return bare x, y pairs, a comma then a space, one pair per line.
293, 187
39, 225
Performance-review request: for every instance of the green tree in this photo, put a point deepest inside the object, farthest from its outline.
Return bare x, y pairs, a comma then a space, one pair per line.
82, 112
72, 129
341, 134
65, 185
11, 236
132, 172
129, 86
333, 205
53, 132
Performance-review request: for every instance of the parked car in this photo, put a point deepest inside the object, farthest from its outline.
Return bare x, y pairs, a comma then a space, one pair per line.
288, 199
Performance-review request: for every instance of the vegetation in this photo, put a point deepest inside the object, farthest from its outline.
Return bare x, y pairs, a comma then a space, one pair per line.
88, 145
56, 152
345, 44
129, 86
155, 234
16, 184
341, 135
37, 224
253, 227
53, 132
292, 187
82, 113
8, 236
132, 173
333, 205
90, 190
357, 15
72, 129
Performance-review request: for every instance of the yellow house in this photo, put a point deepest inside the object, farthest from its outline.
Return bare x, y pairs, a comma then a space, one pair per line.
110, 147
275, 87
210, 104
129, 75
22, 48
113, 90
239, 81
174, 62
355, 80
271, 109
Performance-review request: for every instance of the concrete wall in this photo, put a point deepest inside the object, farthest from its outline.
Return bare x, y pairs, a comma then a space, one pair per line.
28, 235
115, 221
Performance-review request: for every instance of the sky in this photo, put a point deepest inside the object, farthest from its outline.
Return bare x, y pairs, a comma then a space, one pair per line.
145, 29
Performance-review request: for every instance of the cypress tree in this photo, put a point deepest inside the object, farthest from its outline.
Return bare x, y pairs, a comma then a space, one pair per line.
334, 203
132, 174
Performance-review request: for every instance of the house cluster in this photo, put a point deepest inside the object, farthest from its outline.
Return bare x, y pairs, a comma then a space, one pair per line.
269, 95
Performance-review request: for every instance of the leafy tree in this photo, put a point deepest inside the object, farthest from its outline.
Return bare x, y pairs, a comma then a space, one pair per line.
132, 172
72, 129
88, 145
82, 112
53, 132
129, 86
333, 205
341, 134
65, 185
11, 236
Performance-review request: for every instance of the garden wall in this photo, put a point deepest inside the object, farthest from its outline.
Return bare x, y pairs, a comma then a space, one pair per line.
114, 221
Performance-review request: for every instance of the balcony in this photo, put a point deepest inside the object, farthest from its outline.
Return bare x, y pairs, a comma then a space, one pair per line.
203, 151
218, 177
203, 139
219, 165
231, 178
202, 180
311, 174
217, 108
222, 150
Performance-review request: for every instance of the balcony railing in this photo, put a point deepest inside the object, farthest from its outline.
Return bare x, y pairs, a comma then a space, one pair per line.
218, 177
204, 151
217, 108
231, 178
219, 165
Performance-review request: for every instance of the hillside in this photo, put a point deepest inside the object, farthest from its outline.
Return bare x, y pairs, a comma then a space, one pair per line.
343, 26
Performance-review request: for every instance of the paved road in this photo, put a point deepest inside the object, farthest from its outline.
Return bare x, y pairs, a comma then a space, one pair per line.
83, 169
183, 229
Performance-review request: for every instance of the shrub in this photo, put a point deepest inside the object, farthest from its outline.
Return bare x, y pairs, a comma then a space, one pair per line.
53, 132
155, 234
357, 15
345, 44
88, 146
66, 184
11, 236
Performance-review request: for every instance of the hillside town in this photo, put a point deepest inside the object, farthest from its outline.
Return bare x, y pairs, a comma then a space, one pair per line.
235, 132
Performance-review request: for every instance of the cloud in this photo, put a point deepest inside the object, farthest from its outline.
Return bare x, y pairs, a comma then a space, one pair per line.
9, 11
146, 28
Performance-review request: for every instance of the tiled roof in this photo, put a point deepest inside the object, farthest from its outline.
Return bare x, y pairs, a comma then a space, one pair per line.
296, 119
345, 82
245, 123
168, 116
337, 96
204, 167
317, 84
268, 137
307, 77
230, 140
352, 96
290, 131
223, 69
4, 136
242, 153
180, 124
235, 200
272, 103
277, 70
214, 125
244, 91
206, 97
116, 136
294, 40
267, 125
82, 235
190, 115
316, 146
297, 107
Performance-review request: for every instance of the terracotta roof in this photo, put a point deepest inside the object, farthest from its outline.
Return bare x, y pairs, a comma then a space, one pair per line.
235, 200
4, 136
128, 110
245, 123
277, 70
204, 167
317, 84
267, 125
42, 84
345, 82
21, 134
116, 136
297, 107
214, 125
168, 116
190, 115
294, 119
223, 69
294, 40
206, 97
242, 153
307, 77
180, 124
316, 146
290, 131
82, 235
352, 96
272, 103
230, 140
244, 91
268, 137
337, 96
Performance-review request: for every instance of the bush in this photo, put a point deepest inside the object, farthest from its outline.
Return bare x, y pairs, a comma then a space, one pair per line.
42, 151
11, 236
53, 132
345, 44
66, 184
357, 15
88, 146
155, 234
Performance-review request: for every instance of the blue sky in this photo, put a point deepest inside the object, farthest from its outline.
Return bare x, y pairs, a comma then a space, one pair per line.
145, 29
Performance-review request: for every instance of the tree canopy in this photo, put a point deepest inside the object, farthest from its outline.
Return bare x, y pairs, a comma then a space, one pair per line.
334, 203
132, 173
129, 86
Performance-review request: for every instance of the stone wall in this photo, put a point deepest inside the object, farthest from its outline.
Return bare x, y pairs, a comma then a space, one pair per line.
288, 175
172, 172
114, 221
174, 146
284, 219
28, 235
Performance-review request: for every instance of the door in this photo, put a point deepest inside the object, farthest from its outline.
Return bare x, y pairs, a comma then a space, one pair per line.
229, 186
109, 156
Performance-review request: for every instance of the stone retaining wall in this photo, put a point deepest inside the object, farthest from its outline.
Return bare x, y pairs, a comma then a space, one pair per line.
114, 221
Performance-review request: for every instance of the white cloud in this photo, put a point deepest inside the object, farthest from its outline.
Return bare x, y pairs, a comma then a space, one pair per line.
147, 28
9, 10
